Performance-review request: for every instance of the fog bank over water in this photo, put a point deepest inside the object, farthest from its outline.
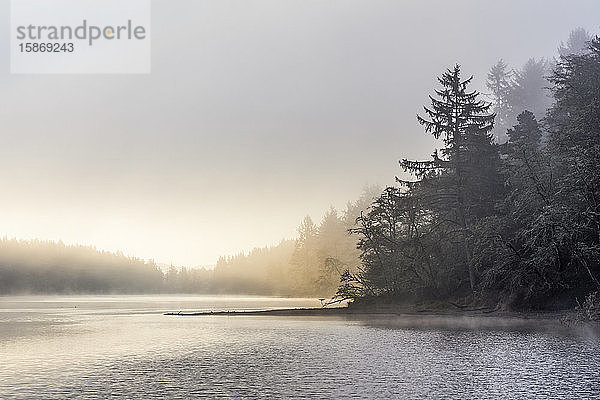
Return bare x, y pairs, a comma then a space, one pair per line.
255, 114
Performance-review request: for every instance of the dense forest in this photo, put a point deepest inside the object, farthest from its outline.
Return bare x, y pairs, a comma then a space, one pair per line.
506, 211
513, 220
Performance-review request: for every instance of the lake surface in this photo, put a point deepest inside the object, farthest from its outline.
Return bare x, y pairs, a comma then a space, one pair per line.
99, 347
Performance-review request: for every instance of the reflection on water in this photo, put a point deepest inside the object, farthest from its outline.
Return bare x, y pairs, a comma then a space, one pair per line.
98, 347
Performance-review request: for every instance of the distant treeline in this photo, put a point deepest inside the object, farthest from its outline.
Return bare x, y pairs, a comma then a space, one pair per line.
513, 222
48, 267
306, 266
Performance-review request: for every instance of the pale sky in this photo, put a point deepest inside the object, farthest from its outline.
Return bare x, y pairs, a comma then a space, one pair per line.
256, 113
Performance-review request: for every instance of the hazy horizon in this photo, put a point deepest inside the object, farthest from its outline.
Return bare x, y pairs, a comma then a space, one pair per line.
254, 116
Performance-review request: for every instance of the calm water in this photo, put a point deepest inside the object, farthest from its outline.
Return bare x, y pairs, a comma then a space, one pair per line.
110, 347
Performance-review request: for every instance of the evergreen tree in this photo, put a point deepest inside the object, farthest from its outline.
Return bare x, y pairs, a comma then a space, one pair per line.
526, 165
331, 235
463, 183
331, 249
305, 258
529, 89
577, 44
499, 84
354, 209
524, 138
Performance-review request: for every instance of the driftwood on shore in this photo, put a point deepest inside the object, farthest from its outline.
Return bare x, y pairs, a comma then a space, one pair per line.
276, 312
401, 318
376, 311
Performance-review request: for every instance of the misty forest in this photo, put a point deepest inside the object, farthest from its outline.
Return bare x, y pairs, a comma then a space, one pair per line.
505, 213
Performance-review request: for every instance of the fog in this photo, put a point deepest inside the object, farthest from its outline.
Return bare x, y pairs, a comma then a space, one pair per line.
255, 114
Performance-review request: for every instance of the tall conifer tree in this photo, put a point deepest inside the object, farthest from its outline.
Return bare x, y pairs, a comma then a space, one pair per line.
499, 83
462, 181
